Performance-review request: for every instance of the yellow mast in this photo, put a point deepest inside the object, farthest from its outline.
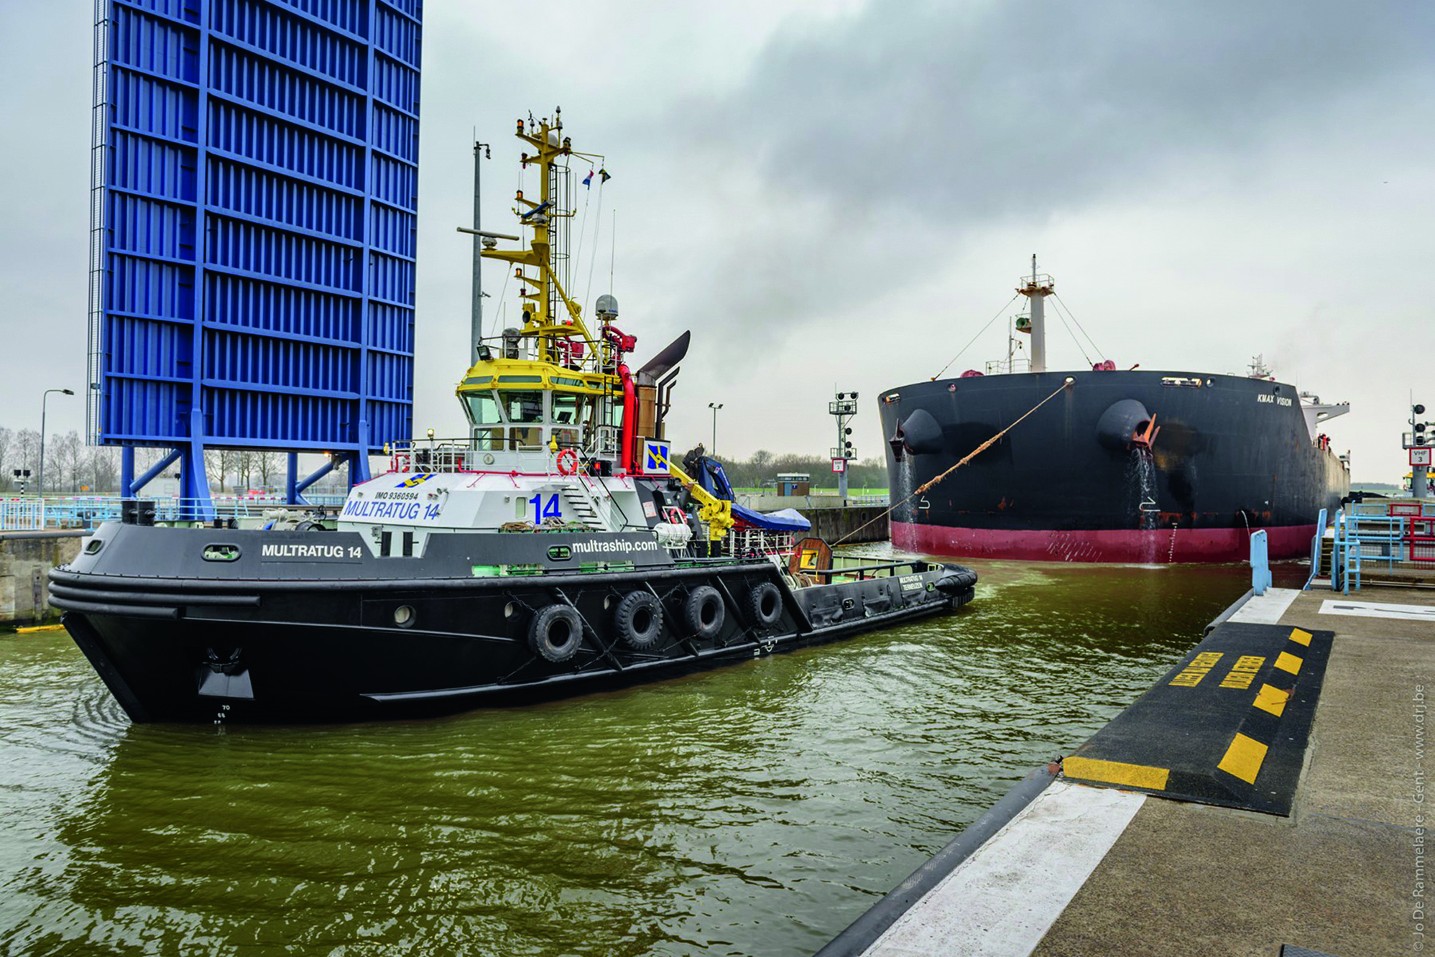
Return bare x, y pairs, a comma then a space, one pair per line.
543, 291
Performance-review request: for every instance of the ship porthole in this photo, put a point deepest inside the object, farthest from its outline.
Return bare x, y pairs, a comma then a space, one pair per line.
404, 616
508, 610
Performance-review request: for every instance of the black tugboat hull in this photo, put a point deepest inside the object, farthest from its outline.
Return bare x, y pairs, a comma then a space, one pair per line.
381, 639
1232, 455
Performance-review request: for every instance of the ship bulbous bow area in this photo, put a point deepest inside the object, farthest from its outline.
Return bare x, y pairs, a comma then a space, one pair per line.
917, 434
1126, 424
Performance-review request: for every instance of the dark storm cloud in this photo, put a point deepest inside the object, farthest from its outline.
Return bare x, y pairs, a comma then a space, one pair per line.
956, 110
880, 143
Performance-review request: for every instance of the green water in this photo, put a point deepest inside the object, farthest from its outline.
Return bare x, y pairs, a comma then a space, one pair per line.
754, 810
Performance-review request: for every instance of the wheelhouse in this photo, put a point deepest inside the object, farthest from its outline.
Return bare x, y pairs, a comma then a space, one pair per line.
517, 408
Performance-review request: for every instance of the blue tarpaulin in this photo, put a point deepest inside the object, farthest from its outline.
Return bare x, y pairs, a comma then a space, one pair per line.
711, 476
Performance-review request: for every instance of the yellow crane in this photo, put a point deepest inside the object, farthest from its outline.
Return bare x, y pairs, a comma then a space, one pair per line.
714, 512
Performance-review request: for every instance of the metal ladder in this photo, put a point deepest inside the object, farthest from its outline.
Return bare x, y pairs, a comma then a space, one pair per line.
581, 502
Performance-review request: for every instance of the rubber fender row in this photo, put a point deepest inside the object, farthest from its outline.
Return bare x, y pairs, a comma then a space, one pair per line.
556, 633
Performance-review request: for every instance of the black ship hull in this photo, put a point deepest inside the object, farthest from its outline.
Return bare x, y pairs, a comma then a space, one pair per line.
1088, 477
309, 627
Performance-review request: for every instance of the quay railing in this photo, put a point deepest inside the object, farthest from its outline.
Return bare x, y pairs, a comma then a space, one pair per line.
90, 511
1390, 536
22, 514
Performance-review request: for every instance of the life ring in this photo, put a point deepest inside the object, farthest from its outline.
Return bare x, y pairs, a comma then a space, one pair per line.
704, 612
556, 633
638, 620
567, 461
765, 603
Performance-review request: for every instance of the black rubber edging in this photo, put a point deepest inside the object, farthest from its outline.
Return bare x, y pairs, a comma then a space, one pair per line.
1225, 616
19, 535
864, 931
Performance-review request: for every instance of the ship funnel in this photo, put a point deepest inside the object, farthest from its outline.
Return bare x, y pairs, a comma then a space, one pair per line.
1126, 425
918, 434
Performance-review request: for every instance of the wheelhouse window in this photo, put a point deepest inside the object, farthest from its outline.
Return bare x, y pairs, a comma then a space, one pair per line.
522, 406
485, 419
523, 410
572, 418
482, 408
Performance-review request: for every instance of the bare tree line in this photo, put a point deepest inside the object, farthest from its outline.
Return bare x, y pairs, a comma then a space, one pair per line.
761, 470
74, 468
71, 466
250, 468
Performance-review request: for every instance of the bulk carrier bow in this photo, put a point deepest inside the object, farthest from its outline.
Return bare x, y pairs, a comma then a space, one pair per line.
1120, 466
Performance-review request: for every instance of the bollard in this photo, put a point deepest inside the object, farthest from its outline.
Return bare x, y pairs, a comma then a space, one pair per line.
1260, 564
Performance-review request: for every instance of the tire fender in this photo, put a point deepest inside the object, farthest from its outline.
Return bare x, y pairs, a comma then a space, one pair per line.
638, 620
704, 612
765, 604
556, 633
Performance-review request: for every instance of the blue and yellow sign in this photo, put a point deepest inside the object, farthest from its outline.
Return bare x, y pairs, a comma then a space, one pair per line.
415, 481
655, 456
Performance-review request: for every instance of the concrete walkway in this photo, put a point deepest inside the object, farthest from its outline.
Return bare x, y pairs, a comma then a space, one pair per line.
1084, 870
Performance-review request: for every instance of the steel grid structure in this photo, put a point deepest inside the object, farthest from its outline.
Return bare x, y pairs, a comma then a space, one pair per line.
253, 224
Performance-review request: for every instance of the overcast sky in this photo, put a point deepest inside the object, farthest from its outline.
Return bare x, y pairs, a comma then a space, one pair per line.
841, 194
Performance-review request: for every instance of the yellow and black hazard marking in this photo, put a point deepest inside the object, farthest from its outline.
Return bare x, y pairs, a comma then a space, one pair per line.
1228, 725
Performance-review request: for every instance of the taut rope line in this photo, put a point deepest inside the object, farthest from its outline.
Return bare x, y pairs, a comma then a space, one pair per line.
963, 461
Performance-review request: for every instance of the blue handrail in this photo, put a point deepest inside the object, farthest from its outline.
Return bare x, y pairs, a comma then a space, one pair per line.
89, 511
1369, 534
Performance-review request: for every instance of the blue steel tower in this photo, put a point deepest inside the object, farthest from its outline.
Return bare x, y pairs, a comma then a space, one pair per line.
255, 186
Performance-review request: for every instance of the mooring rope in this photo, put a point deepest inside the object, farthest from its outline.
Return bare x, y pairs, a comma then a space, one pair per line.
963, 461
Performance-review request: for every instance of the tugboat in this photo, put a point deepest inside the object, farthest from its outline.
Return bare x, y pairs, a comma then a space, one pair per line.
554, 550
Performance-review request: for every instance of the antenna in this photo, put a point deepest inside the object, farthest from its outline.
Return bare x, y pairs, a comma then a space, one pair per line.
480, 152
613, 253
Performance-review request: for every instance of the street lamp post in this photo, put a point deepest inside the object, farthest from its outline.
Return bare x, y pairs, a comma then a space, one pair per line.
40, 481
714, 406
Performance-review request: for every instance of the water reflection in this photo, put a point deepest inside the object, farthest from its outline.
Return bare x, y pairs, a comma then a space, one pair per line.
756, 809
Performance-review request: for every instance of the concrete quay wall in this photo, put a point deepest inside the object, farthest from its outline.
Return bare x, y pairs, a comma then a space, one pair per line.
836, 524
25, 560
